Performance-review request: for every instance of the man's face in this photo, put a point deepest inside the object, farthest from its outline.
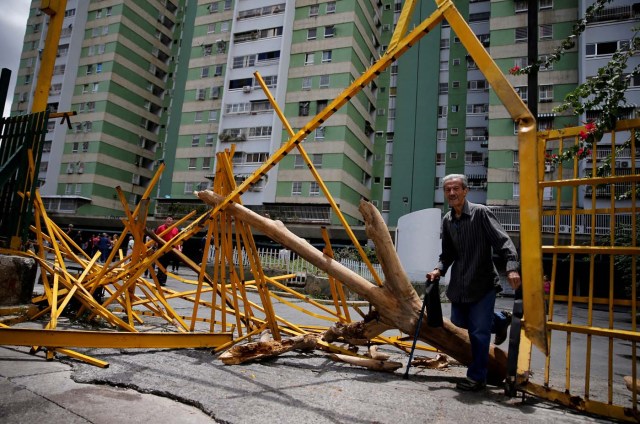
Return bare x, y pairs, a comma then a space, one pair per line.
168, 221
455, 193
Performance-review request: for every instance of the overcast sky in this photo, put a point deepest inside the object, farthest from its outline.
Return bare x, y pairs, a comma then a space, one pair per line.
13, 23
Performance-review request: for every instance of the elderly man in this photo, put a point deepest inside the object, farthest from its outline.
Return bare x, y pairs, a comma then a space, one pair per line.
471, 235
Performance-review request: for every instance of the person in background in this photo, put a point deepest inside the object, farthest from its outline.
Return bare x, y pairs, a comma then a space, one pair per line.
165, 259
471, 235
104, 246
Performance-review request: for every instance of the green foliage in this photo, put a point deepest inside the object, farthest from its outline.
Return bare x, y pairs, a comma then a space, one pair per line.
352, 254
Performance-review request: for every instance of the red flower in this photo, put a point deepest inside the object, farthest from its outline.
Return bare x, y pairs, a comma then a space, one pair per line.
590, 127
588, 152
583, 135
514, 70
580, 151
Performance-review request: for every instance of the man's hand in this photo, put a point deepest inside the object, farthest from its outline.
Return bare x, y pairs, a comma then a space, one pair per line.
433, 275
513, 277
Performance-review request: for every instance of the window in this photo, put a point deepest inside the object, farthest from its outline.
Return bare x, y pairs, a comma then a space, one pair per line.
85, 88
521, 6
454, 131
543, 58
74, 148
313, 10
546, 93
324, 81
444, 43
85, 147
298, 162
443, 88
206, 163
224, 27
442, 111
312, 33
329, 31
217, 71
455, 84
89, 69
387, 182
198, 116
444, 65
331, 7
306, 83
386, 204
326, 56
316, 159
440, 158
260, 131
98, 68
108, 12
473, 158
195, 141
521, 35
521, 62
456, 62
296, 188
605, 48
303, 108
321, 105
516, 190
204, 72
454, 108
523, 92
319, 133
546, 4
215, 92
211, 28
192, 163
477, 109
209, 140
314, 189
453, 155
309, 58
545, 124
201, 93
546, 32
478, 85
95, 87
441, 134
213, 115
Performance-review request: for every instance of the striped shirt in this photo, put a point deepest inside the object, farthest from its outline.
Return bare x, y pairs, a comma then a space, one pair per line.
469, 243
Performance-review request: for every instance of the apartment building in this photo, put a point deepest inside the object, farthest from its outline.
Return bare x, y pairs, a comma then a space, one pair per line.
174, 81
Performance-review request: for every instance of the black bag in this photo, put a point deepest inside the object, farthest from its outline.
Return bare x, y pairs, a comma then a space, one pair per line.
434, 309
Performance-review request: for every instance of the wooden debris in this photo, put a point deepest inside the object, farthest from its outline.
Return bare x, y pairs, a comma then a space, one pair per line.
372, 364
263, 350
439, 362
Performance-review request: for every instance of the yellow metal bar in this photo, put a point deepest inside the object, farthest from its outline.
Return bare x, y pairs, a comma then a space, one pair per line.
320, 181
106, 339
402, 24
55, 9
82, 357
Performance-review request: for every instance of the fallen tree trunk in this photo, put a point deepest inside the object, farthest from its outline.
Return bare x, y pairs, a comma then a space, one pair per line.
396, 302
372, 364
267, 349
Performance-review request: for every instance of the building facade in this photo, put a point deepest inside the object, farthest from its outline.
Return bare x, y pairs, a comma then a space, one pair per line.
175, 81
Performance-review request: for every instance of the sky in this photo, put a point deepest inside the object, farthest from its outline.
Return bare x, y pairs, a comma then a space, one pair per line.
13, 23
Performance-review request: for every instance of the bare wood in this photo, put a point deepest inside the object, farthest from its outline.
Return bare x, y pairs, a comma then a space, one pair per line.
374, 354
372, 364
438, 362
256, 351
396, 303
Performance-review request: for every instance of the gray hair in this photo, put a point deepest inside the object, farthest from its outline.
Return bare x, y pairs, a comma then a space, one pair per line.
460, 177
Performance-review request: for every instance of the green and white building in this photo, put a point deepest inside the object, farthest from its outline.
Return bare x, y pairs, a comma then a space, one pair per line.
173, 81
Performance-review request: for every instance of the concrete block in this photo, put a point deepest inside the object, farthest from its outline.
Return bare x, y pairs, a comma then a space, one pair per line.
17, 277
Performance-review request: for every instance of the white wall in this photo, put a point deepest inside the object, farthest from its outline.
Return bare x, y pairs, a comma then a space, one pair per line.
418, 242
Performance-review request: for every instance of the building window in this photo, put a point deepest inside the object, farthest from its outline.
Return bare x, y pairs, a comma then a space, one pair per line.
546, 4
324, 81
198, 116
303, 108
313, 10
331, 7
444, 43
521, 35
296, 188
209, 140
442, 111
455, 84
543, 58
387, 182
441, 135
316, 159
440, 158
386, 204
192, 163
195, 141
319, 133
309, 58
298, 162
546, 93
523, 92
98, 68
546, 32
312, 33
314, 189
217, 71
213, 115
478, 85
443, 88
206, 163
204, 72
329, 31
306, 83
444, 65
454, 131
326, 56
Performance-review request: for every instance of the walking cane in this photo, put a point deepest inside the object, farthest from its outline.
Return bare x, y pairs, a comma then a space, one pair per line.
433, 321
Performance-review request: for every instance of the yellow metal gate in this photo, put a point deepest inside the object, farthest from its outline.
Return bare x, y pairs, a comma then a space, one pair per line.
589, 196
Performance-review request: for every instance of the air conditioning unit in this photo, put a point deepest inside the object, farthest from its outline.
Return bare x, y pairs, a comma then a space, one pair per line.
624, 164
246, 89
580, 229
549, 168
565, 229
386, 27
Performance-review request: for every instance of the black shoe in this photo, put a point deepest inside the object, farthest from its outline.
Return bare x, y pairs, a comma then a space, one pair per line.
469, 385
501, 333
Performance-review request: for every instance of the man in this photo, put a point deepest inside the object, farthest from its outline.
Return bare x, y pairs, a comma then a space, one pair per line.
166, 258
471, 235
